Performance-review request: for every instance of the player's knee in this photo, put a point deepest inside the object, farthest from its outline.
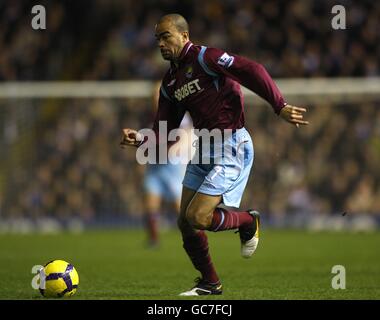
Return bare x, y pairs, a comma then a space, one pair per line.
198, 219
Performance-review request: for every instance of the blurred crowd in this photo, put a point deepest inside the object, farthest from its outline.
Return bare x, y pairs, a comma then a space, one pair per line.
330, 166
79, 169
106, 40
68, 162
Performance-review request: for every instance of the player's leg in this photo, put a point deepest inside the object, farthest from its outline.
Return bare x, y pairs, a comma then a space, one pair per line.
202, 213
235, 175
172, 178
195, 244
228, 179
177, 206
153, 196
152, 204
184, 226
213, 183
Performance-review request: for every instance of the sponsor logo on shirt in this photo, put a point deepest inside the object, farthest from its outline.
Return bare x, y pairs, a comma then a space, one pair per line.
187, 89
225, 60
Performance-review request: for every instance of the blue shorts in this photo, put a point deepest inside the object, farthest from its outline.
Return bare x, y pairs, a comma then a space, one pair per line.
227, 178
164, 180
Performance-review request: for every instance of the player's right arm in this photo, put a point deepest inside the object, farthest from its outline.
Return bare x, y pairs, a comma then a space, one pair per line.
131, 138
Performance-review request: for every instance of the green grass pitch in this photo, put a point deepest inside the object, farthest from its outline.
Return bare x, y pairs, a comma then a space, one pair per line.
288, 264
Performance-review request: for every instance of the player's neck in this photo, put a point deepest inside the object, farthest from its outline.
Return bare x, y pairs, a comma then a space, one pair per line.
176, 63
177, 59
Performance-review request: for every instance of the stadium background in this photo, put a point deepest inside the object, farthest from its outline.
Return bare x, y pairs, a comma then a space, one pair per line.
60, 157
66, 185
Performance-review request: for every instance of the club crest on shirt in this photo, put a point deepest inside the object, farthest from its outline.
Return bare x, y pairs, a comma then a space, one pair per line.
225, 60
189, 72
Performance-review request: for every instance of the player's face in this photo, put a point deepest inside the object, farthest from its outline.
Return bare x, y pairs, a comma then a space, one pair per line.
170, 40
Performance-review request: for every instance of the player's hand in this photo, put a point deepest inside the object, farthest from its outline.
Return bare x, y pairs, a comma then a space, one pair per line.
293, 115
130, 138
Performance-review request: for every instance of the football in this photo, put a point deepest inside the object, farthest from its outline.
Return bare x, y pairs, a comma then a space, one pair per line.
58, 279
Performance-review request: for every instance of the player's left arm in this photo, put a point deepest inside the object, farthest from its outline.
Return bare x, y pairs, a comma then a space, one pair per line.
293, 115
254, 76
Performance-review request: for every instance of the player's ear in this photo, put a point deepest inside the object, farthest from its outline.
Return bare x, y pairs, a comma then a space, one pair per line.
185, 35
